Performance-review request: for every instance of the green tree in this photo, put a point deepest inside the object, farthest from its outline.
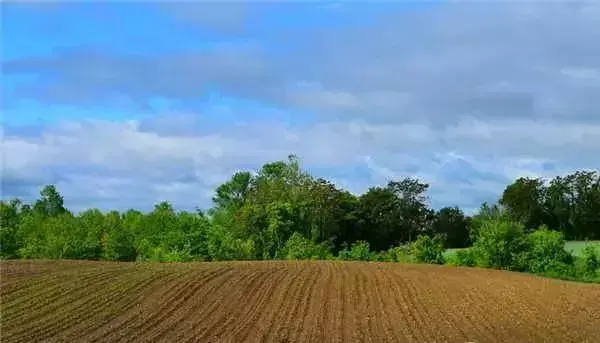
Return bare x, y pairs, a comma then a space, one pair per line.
486, 213
453, 225
119, 236
232, 194
51, 202
10, 218
524, 202
379, 219
91, 228
415, 216
573, 205
57, 237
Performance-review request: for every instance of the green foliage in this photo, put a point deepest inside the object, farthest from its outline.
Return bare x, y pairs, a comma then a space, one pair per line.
51, 202
523, 201
10, 213
62, 237
547, 251
501, 244
428, 250
461, 258
395, 214
222, 245
453, 225
400, 253
281, 211
298, 247
589, 262
486, 213
359, 251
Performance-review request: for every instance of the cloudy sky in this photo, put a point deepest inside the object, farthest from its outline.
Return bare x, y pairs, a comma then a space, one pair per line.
126, 104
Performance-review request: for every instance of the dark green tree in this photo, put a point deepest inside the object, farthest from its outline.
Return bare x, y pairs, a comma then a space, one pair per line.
451, 223
524, 202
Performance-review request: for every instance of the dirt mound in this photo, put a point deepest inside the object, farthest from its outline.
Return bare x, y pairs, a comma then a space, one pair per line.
280, 301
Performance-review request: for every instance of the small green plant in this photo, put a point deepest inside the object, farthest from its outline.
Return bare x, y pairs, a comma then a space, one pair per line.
428, 250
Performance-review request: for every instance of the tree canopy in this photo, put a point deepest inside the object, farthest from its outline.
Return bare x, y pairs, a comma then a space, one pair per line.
280, 210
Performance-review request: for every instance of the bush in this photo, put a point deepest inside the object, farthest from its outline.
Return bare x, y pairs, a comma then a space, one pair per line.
560, 270
428, 250
222, 245
501, 244
298, 247
359, 251
160, 254
382, 256
547, 251
461, 258
589, 262
399, 254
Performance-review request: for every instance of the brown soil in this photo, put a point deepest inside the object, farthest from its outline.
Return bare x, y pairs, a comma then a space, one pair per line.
277, 301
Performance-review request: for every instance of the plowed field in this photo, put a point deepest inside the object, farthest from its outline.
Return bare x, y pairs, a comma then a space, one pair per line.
70, 301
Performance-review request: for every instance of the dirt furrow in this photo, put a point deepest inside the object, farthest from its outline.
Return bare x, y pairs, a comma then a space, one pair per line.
262, 299
304, 302
289, 301
172, 303
215, 305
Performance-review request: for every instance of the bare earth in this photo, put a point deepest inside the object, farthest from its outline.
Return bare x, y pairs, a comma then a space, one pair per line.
277, 301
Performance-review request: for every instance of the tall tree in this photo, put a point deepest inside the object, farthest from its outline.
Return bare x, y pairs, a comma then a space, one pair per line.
51, 202
524, 202
378, 215
452, 223
411, 200
232, 193
573, 204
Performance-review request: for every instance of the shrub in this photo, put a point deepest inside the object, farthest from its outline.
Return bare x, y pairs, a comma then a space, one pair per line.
589, 262
461, 258
547, 251
560, 270
222, 245
359, 251
428, 250
501, 244
160, 254
298, 247
382, 256
400, 254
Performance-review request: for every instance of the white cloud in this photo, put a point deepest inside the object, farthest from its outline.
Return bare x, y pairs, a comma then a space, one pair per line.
465, 96
118, 165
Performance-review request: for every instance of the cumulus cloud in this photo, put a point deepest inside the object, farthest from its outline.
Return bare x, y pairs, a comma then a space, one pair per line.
120, 165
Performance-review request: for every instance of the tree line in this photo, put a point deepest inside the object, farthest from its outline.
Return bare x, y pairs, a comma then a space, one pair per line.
281, 211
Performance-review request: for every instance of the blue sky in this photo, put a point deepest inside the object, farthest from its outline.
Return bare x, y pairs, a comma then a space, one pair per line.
126, 104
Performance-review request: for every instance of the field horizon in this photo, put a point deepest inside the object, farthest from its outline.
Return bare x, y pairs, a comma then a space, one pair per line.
288, 301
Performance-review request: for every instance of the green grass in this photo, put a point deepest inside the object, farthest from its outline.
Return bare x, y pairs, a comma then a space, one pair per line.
575, 247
